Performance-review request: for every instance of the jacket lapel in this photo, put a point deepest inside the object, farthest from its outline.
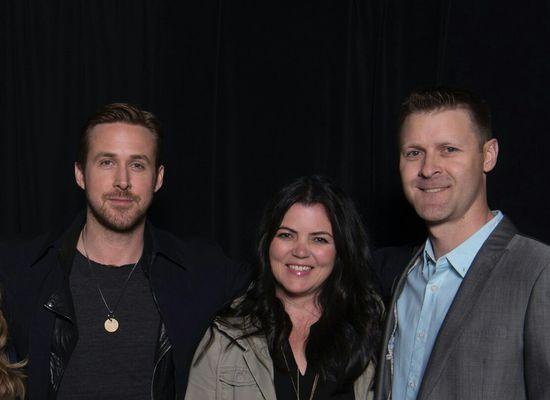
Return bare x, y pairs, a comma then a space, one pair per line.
261, 366
469, 292
363, 385
257, 359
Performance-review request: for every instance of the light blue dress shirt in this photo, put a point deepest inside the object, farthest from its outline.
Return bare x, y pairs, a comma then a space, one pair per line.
422, 306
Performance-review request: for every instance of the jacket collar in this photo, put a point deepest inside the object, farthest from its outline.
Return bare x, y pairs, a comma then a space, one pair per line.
254, 343
161, 242
156, 242
64, 242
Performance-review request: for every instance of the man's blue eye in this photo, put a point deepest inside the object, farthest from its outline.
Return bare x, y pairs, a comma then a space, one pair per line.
412, 153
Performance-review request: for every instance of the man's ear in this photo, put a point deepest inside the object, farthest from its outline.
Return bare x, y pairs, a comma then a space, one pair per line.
160, 178
79, 176
490, 155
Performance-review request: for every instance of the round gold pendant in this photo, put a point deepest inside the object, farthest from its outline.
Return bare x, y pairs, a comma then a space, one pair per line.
111, 325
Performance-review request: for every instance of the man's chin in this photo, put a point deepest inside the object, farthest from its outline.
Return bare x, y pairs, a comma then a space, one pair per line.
119, 222
123, 226
433, 216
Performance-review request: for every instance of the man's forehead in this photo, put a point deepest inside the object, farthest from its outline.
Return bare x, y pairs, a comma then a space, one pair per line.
440, 114
120, 140
440, 122
111, 128
121, 135
110, 154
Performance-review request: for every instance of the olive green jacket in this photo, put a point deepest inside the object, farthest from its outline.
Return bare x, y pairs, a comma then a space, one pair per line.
243, 370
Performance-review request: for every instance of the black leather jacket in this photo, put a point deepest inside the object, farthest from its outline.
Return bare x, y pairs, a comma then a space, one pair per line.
38, 304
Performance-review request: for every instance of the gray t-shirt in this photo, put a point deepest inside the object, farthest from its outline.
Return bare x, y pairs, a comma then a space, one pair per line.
115, 365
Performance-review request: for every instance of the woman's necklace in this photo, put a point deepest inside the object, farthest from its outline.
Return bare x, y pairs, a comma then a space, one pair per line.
111, 323
296, 385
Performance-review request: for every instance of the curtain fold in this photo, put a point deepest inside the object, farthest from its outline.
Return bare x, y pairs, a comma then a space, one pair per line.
254, 94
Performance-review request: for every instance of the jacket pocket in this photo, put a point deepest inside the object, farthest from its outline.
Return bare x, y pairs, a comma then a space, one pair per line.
237, 383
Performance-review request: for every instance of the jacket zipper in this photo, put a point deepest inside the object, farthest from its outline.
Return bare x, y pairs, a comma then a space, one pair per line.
167, 347
50, 307
389, 355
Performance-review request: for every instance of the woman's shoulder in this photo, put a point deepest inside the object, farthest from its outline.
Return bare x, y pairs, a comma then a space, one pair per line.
363, 386
242, 331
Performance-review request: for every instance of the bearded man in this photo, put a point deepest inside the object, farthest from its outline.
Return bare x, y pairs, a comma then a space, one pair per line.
114, 308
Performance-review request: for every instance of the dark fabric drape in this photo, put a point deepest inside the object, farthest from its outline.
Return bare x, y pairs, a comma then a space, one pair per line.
254, 94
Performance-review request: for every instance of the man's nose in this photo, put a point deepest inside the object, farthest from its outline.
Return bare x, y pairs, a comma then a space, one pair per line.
430, 166
122, 179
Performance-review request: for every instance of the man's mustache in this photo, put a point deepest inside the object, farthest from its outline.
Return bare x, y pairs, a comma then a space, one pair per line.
119, 194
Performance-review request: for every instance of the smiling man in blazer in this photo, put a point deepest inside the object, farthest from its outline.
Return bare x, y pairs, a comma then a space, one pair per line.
470, 315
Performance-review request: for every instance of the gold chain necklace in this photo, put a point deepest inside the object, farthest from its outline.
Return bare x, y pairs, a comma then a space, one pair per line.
296, 386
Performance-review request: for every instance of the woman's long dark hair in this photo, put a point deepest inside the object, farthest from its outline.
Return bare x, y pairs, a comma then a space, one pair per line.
348, 332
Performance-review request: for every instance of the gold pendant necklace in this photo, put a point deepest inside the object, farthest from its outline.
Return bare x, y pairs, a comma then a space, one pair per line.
111, 324
296, 386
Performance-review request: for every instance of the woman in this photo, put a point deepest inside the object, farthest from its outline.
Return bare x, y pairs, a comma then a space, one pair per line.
309, 326
11, 375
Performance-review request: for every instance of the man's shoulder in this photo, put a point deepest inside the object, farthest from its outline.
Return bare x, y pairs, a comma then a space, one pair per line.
389, 264
189, 251
517, 254
198, 261
17, 256
29, 248
23, 248
530, 247
166, 238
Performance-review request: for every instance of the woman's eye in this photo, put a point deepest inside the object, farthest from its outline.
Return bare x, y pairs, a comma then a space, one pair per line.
284, 235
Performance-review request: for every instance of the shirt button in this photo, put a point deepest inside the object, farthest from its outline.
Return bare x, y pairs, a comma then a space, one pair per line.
421, 335
434, 288
412, 384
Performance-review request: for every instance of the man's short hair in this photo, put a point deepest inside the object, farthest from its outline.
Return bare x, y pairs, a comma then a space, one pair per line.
440, 98
125, 113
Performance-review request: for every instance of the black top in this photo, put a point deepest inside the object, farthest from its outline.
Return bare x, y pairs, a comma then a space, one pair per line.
116, 365
191, 281
286, 383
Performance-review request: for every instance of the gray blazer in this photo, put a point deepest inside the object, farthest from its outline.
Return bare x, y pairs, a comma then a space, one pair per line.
494, 343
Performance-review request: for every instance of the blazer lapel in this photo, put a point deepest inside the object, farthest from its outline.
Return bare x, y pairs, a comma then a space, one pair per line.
469, 292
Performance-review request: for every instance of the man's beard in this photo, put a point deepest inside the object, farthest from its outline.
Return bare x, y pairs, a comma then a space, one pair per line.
119, 221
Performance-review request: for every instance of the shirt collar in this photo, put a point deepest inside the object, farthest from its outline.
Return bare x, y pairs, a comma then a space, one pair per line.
462, 256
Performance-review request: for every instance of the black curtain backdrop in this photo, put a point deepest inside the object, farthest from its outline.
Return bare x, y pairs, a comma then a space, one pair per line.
253, 94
